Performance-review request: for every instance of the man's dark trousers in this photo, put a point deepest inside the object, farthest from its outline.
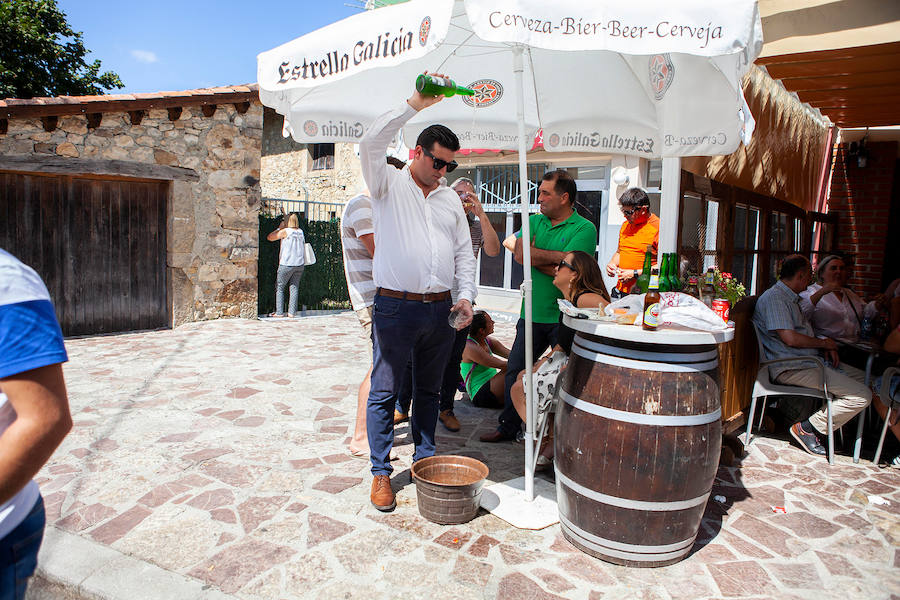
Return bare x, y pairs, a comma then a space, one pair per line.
451, 377
543, 337
402, 329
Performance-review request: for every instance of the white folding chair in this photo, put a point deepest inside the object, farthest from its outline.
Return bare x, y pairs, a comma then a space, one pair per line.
886, 397
765, 387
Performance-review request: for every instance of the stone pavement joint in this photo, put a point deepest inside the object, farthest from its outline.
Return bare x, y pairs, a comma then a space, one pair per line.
209, 462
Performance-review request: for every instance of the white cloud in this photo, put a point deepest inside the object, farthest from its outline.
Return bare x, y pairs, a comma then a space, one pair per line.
144, 56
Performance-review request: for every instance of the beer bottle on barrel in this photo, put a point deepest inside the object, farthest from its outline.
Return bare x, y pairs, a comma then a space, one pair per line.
651, 303
708, 291
664, 285
643, 279
674, 281
432, 85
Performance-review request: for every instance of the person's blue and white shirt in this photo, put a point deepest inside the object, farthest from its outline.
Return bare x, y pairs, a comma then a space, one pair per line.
30, 337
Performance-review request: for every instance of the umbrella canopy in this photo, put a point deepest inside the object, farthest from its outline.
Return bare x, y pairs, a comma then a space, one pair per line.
651, 79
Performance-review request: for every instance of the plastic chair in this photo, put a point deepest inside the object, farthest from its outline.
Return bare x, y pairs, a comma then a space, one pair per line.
886, 395
764, 387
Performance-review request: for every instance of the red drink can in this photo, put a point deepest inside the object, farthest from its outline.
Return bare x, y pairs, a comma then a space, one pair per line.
720, 306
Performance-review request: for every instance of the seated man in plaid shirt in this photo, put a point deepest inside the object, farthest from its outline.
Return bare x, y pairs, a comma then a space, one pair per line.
784, 333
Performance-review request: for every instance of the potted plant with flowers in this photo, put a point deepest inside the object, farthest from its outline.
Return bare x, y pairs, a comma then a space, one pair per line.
728, 288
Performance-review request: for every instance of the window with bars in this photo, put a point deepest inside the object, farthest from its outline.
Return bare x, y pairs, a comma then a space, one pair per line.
745, 256
699, 232
322, 156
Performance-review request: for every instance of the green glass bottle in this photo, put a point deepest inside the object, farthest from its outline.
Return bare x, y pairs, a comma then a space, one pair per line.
674, 280
643, 280
431, 85
664, 283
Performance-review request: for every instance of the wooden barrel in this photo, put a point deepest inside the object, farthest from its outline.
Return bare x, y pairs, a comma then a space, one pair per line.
638, 436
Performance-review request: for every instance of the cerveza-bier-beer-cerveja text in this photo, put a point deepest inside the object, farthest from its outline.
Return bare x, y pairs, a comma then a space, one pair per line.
431, 85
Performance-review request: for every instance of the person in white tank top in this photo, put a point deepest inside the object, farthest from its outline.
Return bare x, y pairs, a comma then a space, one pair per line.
291, 260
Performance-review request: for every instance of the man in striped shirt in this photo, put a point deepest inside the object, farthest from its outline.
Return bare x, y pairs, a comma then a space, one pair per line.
358, 243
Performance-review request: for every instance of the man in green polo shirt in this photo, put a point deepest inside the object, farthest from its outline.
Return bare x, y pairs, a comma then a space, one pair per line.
557, 230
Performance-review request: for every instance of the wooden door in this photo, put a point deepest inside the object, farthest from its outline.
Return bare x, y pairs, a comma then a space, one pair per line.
99, 245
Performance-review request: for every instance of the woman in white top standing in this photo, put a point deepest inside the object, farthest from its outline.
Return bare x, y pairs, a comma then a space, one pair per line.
832, 309
291, 260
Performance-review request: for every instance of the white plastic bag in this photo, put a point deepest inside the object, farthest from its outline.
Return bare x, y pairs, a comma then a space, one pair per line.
675, 308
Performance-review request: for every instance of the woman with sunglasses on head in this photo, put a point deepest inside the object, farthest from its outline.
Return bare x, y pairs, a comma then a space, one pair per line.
579, 278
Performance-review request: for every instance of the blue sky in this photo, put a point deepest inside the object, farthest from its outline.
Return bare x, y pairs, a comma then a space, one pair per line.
185, 44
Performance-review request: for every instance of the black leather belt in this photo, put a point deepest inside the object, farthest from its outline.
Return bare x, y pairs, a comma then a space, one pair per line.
433, 297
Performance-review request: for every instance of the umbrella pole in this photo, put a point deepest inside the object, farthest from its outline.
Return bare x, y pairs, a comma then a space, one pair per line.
668, 205
530, 417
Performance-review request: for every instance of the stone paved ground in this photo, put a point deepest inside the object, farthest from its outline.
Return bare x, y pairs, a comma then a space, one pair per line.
209, 462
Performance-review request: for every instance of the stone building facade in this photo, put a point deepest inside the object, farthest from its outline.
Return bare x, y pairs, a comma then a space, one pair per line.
288, 173
205, 143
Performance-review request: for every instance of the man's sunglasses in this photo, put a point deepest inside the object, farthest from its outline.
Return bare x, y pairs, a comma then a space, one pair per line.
563, 263
628, 213
439, 164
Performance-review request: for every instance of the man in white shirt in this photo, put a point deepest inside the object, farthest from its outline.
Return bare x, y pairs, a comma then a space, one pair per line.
422, 248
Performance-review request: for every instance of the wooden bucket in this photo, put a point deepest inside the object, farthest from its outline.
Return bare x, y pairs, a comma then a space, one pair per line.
448, 487
638, 436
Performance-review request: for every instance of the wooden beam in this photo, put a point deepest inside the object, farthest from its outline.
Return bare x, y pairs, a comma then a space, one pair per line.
241, 107
830, 68
873, 50
80, 166
26, 109
49, 122
208, 110
174, 113
93, 120
136, 116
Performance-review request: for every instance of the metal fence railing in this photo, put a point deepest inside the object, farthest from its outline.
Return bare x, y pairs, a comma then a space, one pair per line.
306, 209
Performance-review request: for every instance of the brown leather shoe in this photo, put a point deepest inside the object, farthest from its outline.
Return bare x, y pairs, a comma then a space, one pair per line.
399, 417
382, 495
449, 420
496, 436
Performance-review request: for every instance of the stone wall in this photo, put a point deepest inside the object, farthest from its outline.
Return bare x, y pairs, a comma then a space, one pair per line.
285, 168
212, 223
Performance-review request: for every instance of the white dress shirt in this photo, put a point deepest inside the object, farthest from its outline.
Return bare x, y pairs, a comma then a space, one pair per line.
832, 317
422, 244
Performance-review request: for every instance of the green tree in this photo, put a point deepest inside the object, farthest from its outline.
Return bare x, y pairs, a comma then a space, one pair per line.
40, 54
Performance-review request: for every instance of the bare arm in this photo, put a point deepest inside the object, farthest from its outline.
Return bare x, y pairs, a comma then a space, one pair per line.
498, 348
278, 234
474, 353
368, 241
539, 257
42, 421
488, 234
612, 265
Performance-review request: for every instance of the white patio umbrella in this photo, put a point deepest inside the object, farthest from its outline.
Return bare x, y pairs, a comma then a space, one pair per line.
643, 78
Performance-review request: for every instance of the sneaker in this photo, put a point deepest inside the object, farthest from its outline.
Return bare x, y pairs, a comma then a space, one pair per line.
808, 441
449, 420
399, 417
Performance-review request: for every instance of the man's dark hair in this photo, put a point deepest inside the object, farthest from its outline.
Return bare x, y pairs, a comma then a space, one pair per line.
792, 265
395, 162
440, 134
634, 197
563, 184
